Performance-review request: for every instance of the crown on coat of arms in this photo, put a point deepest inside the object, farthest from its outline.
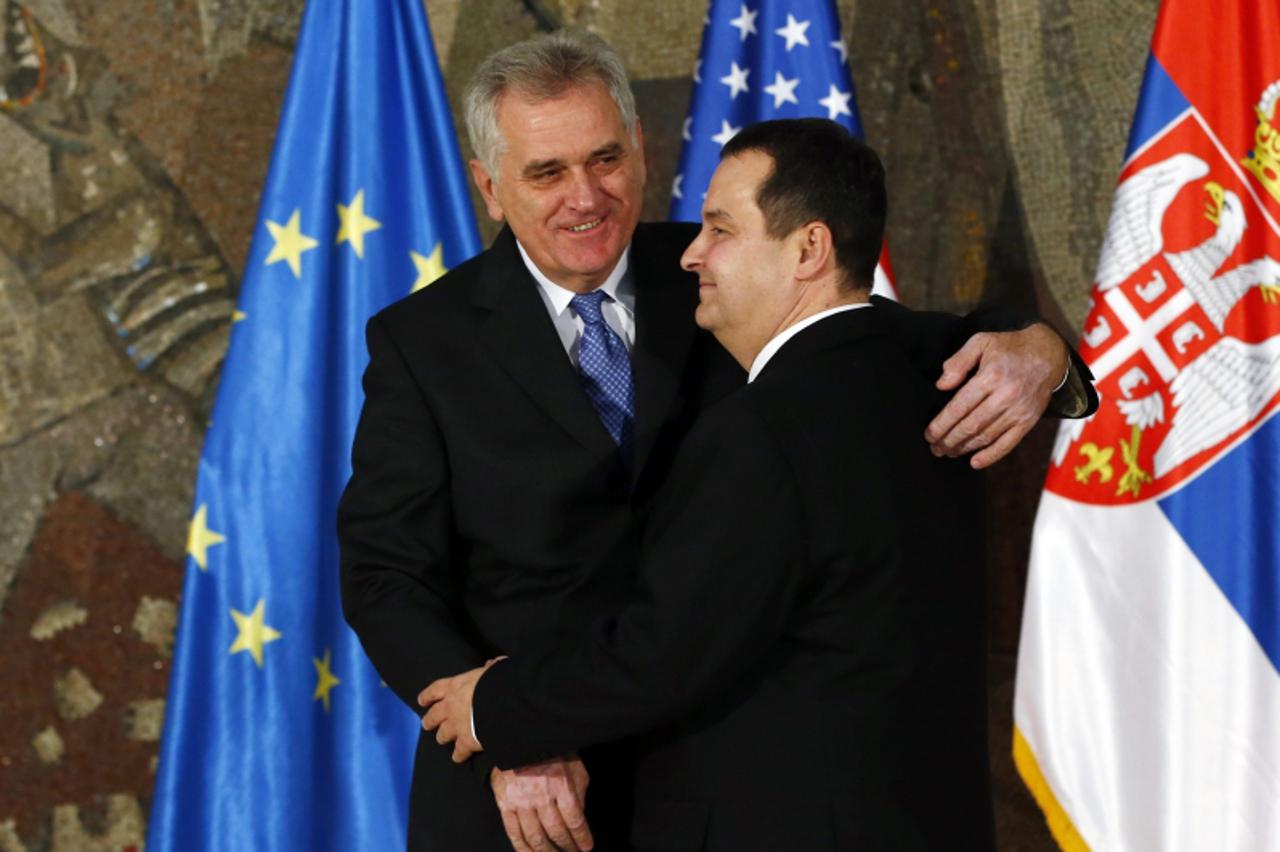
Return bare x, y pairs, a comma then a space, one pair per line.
1264, 160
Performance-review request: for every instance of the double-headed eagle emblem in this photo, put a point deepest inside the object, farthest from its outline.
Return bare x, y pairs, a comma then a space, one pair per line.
1233, 380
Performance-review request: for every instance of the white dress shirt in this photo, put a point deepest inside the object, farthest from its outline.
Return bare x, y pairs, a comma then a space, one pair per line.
619, 309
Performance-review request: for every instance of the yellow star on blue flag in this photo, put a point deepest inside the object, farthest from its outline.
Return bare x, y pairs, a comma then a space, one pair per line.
353, 224
430, 267
326, 680
290, 243
200, 538
252, 632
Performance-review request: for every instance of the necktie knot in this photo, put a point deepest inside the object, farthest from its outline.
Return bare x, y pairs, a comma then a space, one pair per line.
587, 306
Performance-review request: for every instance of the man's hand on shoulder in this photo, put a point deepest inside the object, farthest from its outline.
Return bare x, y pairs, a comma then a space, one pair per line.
1017, 372
543, 804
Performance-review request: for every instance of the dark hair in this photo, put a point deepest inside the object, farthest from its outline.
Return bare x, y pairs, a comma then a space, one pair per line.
821, 174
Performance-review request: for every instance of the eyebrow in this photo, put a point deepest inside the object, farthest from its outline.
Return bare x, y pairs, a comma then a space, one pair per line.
538, 166
606, 150
717, 214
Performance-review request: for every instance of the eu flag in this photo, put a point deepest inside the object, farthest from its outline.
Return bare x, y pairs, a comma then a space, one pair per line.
761, 60
278, 733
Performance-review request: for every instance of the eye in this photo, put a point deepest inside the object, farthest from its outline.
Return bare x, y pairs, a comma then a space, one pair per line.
606, 161
545, 176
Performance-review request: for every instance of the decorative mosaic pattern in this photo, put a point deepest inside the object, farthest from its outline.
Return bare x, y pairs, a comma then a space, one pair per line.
134, 140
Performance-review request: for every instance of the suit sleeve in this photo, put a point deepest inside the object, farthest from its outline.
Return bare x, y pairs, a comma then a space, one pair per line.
931, 337
399, 593
722, 561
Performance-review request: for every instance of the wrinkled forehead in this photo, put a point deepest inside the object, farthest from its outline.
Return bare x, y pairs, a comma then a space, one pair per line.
572, 113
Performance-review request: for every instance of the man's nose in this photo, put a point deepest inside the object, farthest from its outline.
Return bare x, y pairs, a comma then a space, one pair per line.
584, 190
691, 260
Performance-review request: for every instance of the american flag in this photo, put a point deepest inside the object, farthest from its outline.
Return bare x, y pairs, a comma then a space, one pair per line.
760, 60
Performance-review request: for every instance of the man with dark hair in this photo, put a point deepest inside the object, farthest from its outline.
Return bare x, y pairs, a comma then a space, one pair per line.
848, 192
520, 412
806, 644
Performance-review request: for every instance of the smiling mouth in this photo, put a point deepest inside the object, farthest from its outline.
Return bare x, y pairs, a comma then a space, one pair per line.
585, 226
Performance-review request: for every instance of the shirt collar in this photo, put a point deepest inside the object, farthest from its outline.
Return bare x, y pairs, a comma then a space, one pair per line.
771, 348
618, 286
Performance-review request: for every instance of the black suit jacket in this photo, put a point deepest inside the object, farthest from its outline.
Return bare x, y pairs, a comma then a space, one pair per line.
488, 511
807, 635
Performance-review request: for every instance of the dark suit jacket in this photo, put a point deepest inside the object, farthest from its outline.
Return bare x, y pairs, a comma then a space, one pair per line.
807, 635
488, 511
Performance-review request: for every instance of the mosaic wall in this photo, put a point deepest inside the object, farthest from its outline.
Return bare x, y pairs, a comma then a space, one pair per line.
134, 137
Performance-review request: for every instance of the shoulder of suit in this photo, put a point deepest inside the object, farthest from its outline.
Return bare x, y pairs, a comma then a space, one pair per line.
859, 349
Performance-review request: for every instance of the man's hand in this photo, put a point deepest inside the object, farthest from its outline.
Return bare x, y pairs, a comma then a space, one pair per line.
1017, 373
543, 804
449, 700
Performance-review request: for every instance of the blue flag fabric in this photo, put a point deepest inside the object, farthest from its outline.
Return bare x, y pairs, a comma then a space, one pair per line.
278, 734
761, 60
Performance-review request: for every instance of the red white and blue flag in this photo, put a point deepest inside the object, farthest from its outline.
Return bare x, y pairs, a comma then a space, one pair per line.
761, 60
1147, 708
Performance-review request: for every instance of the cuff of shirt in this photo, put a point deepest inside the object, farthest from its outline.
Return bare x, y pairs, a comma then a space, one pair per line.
1066, 374
1071, 398
473, 727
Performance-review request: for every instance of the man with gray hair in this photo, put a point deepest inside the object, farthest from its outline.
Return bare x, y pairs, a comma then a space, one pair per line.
520, 412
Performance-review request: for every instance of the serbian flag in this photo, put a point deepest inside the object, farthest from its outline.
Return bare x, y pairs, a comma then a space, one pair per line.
1147, 707
761, 60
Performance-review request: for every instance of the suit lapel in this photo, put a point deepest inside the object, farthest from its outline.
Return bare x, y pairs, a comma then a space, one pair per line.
520, 336
665, 332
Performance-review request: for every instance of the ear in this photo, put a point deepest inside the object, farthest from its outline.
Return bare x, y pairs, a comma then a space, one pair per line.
484, 183
817, 252
639, 135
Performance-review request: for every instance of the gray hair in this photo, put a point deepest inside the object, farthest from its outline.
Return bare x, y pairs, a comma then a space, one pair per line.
541, 68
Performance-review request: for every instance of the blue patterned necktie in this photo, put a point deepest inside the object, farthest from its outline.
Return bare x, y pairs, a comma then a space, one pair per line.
605, 368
